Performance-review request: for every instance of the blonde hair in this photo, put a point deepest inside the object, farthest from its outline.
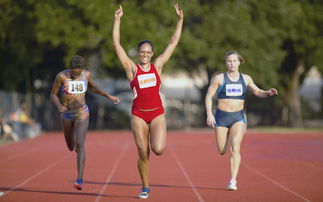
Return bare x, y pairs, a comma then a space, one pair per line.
241, 59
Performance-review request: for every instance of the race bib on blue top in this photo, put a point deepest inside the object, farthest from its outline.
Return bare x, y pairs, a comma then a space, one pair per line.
233, 90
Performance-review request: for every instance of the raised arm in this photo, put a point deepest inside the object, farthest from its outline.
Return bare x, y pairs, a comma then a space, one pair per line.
164, 57
127, 63
257, 91
53, 95
96, 90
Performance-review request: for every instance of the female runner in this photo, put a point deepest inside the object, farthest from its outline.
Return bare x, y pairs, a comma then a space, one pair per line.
72, 85
148, 118
229, 120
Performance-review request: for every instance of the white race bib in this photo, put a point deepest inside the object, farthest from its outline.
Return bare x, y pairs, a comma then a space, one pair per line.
233, 90
147, 80
76, 87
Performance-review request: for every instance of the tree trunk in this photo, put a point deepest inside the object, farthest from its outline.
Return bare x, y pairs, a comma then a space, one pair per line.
292, 98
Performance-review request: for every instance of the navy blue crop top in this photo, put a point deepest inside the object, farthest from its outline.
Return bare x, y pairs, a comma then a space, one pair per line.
232, 90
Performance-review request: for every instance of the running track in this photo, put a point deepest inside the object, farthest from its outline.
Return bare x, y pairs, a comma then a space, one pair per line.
275, 167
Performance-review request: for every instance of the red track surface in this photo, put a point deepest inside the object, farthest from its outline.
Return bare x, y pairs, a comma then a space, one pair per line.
275, 167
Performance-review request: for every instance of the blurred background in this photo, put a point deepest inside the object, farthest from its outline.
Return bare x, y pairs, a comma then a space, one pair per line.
281, 40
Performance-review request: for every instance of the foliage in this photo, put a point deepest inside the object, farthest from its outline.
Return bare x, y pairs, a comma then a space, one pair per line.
37, 38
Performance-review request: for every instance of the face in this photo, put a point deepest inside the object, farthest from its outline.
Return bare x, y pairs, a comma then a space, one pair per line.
75, 73
232, 62
145, 53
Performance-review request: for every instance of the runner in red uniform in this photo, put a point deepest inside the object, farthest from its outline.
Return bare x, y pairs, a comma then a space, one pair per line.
148, 119
145, 86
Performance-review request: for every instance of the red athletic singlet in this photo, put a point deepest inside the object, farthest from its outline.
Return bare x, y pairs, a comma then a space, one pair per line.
145, 87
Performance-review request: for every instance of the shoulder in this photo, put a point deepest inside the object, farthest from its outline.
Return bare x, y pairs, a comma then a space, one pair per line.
219, 78
61, 75
87, 74
247, 78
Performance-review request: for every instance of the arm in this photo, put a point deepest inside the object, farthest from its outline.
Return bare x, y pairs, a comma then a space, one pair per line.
164, 57
208, 101
53, 95
96, 90
127, 63
257, 91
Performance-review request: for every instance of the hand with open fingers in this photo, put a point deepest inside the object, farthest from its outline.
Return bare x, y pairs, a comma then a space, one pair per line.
179, 12
119, 12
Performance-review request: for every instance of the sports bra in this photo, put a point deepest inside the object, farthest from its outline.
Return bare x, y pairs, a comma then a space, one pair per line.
74, 87
232, 89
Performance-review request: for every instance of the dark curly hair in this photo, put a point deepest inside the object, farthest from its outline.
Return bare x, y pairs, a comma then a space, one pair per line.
77, 62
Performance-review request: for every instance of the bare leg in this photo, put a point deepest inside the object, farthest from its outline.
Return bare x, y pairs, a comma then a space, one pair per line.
236, 133
68, 128
140, 131
81, 126
158, 134
221, 134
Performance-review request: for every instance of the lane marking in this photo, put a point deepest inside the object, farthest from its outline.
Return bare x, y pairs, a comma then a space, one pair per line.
106, 183
310, 165
275, 182
197, 194
37, 174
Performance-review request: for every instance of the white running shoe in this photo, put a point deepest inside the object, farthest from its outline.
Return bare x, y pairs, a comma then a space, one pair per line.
144, 193
232, 185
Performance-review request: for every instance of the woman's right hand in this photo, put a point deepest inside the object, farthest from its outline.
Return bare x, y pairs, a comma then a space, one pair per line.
210, 121
61, 108
118, 13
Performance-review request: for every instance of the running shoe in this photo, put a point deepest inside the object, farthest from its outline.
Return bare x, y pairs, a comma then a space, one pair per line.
144, 193
232, 185
78, 184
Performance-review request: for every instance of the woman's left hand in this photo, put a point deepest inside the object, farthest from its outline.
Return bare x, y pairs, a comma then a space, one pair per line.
272, 92
115, 99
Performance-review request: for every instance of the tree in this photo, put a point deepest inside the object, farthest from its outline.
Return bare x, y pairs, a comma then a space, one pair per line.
213, 28
302, 40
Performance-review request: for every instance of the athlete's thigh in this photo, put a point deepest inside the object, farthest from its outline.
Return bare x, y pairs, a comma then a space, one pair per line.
140, 132
221, 135
81, 126
236, 134
158, 131
68, 128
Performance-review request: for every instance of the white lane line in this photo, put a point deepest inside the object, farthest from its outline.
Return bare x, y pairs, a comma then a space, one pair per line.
197, 194
37, 174
310, 165
275, 182
106, 183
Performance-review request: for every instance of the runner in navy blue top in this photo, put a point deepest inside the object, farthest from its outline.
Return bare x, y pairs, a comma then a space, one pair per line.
229, 120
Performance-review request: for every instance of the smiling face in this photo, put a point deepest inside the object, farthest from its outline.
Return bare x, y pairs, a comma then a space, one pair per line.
145, 53
232, 62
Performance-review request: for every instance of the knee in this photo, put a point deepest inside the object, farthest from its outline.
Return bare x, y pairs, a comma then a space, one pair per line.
158, 150
71, 147
143, 154
79, 147
222, 151
235, 151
